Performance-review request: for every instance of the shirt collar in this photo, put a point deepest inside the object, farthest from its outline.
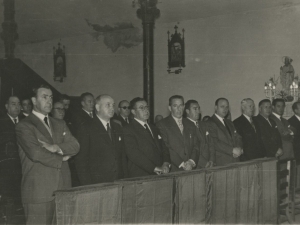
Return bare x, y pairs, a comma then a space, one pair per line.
12, 119
298, 117
123, 117
104, 122
86, 111
176, 119
195, 122
39, 115
25, 114
247, 117
220, 118
140, 122
278, 116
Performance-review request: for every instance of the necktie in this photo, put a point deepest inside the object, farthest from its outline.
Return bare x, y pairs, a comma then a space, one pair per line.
108, 130
269, 122
227, 127
126, 119
46, 121
91, 114
15, 121
148, 130
180, 125
197, 124
252, 124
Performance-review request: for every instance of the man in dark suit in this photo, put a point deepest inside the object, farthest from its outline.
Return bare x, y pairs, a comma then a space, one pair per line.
295, 123
124, 113
143, 144
192, 110
26, 108
101, 157
10, 165
44, 144
284, 128
180, 136
267, 130
227, 142
246, 128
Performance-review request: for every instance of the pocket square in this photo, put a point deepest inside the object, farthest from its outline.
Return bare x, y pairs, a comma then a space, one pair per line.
207, 133
159, 137
120, 138
64, 133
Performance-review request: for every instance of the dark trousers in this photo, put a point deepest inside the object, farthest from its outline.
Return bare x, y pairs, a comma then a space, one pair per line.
40, 213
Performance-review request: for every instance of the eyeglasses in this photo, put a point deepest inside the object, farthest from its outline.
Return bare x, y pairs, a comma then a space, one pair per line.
143, 108
60, 109
125, 107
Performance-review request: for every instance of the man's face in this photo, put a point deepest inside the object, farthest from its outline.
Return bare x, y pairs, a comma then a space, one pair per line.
66, 104
58, 111
222, 108
124, 109
141, 111
105, 107
194, 111
176, 108
13, 107
27, 106
43, 101
249, 108
265, 109
88, 103
279, 108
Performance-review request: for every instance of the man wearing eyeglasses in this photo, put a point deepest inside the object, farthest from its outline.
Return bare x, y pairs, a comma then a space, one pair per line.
143, 144
101, 157
180, 136
124, 113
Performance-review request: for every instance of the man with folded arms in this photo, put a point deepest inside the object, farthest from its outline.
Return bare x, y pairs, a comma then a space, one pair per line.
227, 142
180, 136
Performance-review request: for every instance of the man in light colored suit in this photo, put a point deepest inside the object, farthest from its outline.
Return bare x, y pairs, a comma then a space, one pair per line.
284, 128
227, 142
192, 110
44, 144
179, 136
143, 144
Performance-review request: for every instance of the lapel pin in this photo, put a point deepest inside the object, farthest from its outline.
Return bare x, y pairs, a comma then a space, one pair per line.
159, 137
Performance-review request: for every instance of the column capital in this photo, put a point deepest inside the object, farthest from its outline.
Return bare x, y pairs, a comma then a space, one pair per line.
148, 12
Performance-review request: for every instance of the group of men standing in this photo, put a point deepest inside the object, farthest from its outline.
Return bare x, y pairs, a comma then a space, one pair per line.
100, 146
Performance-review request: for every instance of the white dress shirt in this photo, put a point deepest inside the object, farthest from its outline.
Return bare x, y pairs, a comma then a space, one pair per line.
195, 122
278, 116
298, 117
104, 123
221, 119
41, 117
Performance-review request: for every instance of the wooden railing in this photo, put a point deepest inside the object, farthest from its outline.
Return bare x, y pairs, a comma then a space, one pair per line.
237, 193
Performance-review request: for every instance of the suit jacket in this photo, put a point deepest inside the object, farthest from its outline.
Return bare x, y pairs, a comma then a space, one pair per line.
269, 135
22, 116
287, 140
295, 123
206, 145
43, 171
252, 146
10, 165
181, 147
143, 152
78, 118
123, 122
100, 159
223, 141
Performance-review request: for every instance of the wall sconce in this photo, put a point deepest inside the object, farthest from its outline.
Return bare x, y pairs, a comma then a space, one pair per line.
176, 51
294, 90
59, 58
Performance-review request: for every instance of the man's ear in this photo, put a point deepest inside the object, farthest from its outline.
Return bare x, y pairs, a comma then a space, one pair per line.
132, 111
187, 111
216, 107
33, 99
169, 107
6, 106
97, 107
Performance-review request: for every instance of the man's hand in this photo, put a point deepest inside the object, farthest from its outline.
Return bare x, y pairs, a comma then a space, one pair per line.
279, 152
52, 148
165, 167
188, 165
158, 170
209, 164
66, 158
236, 152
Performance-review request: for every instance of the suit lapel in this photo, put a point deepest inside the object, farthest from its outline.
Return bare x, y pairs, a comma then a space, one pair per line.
175, 127
101, 129
41, 127
55, 129
143, 131
248, 124
221, 126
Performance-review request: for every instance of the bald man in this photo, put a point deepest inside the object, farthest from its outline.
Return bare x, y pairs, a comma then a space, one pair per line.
101, 157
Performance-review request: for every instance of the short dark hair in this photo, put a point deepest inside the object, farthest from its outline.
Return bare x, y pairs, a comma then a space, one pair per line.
64, 97
189, 103
134, 101
120, 103
35, 90
295, 106
175, 97
276, 100
220, 99
263, 101
12, 96
85, 94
